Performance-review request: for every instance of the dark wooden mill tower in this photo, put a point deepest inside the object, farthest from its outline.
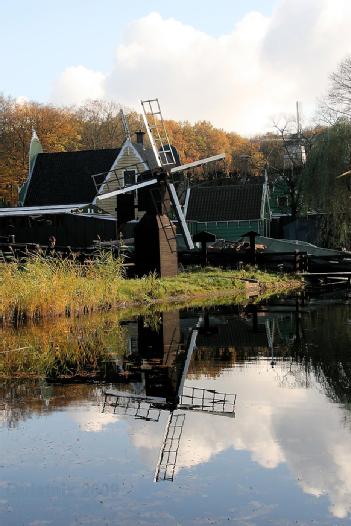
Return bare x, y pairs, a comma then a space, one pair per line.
155, 234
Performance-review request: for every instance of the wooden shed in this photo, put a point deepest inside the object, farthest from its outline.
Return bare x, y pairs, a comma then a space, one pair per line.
229, 211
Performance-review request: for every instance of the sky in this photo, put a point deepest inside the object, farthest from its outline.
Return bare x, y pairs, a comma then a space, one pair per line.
237, 63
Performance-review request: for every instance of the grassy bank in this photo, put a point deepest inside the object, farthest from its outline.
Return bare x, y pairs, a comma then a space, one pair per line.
44, 288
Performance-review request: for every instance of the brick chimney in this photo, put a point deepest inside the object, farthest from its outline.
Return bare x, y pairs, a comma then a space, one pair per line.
140, 136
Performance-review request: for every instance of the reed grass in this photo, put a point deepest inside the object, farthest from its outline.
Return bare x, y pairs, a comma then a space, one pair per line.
62, 348
48, 287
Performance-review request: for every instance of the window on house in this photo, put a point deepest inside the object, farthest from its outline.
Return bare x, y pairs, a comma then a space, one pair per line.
130, 177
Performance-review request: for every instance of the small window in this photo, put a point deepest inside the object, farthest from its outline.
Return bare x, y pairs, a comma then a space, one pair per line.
130, 177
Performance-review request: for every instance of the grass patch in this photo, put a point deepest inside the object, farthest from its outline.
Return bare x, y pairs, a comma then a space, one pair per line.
45, 288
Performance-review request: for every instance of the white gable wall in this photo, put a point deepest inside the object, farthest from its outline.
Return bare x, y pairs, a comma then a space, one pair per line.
128, 159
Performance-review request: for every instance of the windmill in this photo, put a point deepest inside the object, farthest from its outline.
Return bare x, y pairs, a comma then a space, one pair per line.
155, 234
180, 400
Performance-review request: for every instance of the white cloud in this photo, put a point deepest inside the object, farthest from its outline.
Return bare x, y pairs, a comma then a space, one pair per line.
22, 100
77, 84
92, 420
238, 80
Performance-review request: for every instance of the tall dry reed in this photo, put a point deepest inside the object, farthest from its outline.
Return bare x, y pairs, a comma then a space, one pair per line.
48, 287
45, 287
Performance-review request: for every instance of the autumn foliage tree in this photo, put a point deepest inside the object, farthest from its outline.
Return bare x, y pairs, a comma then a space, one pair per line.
202, 139
101, 125
58, 129
95, 125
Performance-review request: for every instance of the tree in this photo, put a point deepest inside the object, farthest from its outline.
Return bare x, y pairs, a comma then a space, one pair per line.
97, 125
100, 124
240, 148
202, 139
285, 152
337, 102
326, 192
293, 158
57, 128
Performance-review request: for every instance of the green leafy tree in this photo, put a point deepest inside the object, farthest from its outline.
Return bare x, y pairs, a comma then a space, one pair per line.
323, 188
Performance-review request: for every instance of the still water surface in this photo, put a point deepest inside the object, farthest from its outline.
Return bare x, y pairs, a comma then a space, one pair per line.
137, 450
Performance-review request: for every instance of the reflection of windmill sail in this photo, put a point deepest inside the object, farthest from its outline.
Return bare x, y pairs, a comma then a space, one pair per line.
191, 399
176, 397
190, 348
169, 451
270, 330
135, 406
270, 338
148, 408
207, 401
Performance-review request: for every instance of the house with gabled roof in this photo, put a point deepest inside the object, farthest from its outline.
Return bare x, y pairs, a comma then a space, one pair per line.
229, 211
67, 178
60, 195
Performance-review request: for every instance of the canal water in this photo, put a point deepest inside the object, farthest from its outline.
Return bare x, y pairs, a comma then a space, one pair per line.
226, 415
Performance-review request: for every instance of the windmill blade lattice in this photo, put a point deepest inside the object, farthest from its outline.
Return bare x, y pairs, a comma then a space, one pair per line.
207, 401
167, 461
140, 408
157, 133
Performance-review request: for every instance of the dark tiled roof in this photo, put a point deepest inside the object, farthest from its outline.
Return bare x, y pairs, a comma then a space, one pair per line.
65, 177
147, 154
225, 203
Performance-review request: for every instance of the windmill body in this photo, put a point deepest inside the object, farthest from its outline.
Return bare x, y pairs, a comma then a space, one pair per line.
155, 246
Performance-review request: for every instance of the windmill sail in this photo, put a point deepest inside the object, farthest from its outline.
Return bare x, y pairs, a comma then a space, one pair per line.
164, 155
125, 124
200, 162
180, 216
126, 189
157, 133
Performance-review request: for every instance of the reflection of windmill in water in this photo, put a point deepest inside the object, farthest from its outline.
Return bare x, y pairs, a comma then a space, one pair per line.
165, 360
155, 234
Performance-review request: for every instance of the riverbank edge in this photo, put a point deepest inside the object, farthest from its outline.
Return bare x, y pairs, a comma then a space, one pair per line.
43, 292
